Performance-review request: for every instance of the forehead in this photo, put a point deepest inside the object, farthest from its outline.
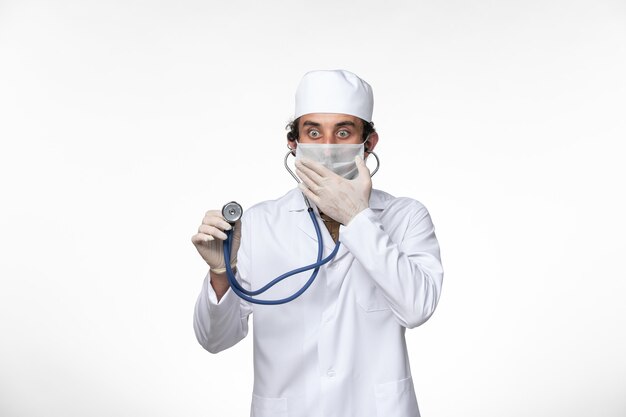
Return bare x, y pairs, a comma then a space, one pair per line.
329, 119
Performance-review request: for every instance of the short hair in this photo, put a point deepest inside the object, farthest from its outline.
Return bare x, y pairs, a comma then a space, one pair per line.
293, 132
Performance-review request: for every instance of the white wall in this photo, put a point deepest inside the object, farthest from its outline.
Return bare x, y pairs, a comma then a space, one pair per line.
121, 122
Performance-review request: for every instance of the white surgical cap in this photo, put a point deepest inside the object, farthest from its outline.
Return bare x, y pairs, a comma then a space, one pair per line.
334, 91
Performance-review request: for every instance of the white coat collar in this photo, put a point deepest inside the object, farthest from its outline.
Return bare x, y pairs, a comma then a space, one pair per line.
296, 205
378, 200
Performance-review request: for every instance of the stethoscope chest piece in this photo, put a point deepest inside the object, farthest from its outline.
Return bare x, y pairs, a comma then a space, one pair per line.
232, 212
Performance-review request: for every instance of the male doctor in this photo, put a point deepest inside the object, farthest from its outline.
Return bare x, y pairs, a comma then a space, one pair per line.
339, 349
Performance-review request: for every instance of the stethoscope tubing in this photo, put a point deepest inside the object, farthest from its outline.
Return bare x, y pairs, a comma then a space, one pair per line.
247, 295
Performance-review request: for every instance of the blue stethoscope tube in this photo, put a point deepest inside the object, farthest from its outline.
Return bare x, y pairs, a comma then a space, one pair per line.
235, 212
247, 295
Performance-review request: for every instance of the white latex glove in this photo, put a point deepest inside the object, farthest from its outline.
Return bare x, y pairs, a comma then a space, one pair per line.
210, 237
335, 196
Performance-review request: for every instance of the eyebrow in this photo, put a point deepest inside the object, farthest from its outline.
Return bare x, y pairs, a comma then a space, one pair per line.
309, 123
346, 123
340, 124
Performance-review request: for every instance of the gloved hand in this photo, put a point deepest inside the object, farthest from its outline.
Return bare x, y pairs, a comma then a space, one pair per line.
210, 237
335, 196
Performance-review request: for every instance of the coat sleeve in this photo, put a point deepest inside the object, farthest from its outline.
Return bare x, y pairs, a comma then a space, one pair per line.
407, 269
220, 325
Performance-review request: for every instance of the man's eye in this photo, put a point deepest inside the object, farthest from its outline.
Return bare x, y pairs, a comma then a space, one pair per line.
343, 133
314, 134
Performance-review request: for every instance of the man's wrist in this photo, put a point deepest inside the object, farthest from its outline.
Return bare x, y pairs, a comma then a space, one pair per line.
220, 284
356, 213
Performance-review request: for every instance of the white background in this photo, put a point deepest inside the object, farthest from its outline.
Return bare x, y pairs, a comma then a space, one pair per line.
122, 122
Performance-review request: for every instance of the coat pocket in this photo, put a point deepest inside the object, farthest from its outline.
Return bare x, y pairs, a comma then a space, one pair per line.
268, 407
396, 398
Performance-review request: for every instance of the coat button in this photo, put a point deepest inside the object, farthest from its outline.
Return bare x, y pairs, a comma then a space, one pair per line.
330, 373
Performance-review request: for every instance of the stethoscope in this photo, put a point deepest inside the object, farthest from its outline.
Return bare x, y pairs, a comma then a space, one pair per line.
233, 211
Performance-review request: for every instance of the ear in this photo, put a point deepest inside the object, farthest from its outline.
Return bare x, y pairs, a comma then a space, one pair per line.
292, 144
371, 142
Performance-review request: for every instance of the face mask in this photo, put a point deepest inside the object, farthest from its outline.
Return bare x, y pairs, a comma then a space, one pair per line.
338, 158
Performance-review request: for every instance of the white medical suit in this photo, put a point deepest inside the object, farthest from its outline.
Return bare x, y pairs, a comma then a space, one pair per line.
339, 349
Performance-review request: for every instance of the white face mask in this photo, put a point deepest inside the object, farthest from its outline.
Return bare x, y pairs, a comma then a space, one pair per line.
338, 158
